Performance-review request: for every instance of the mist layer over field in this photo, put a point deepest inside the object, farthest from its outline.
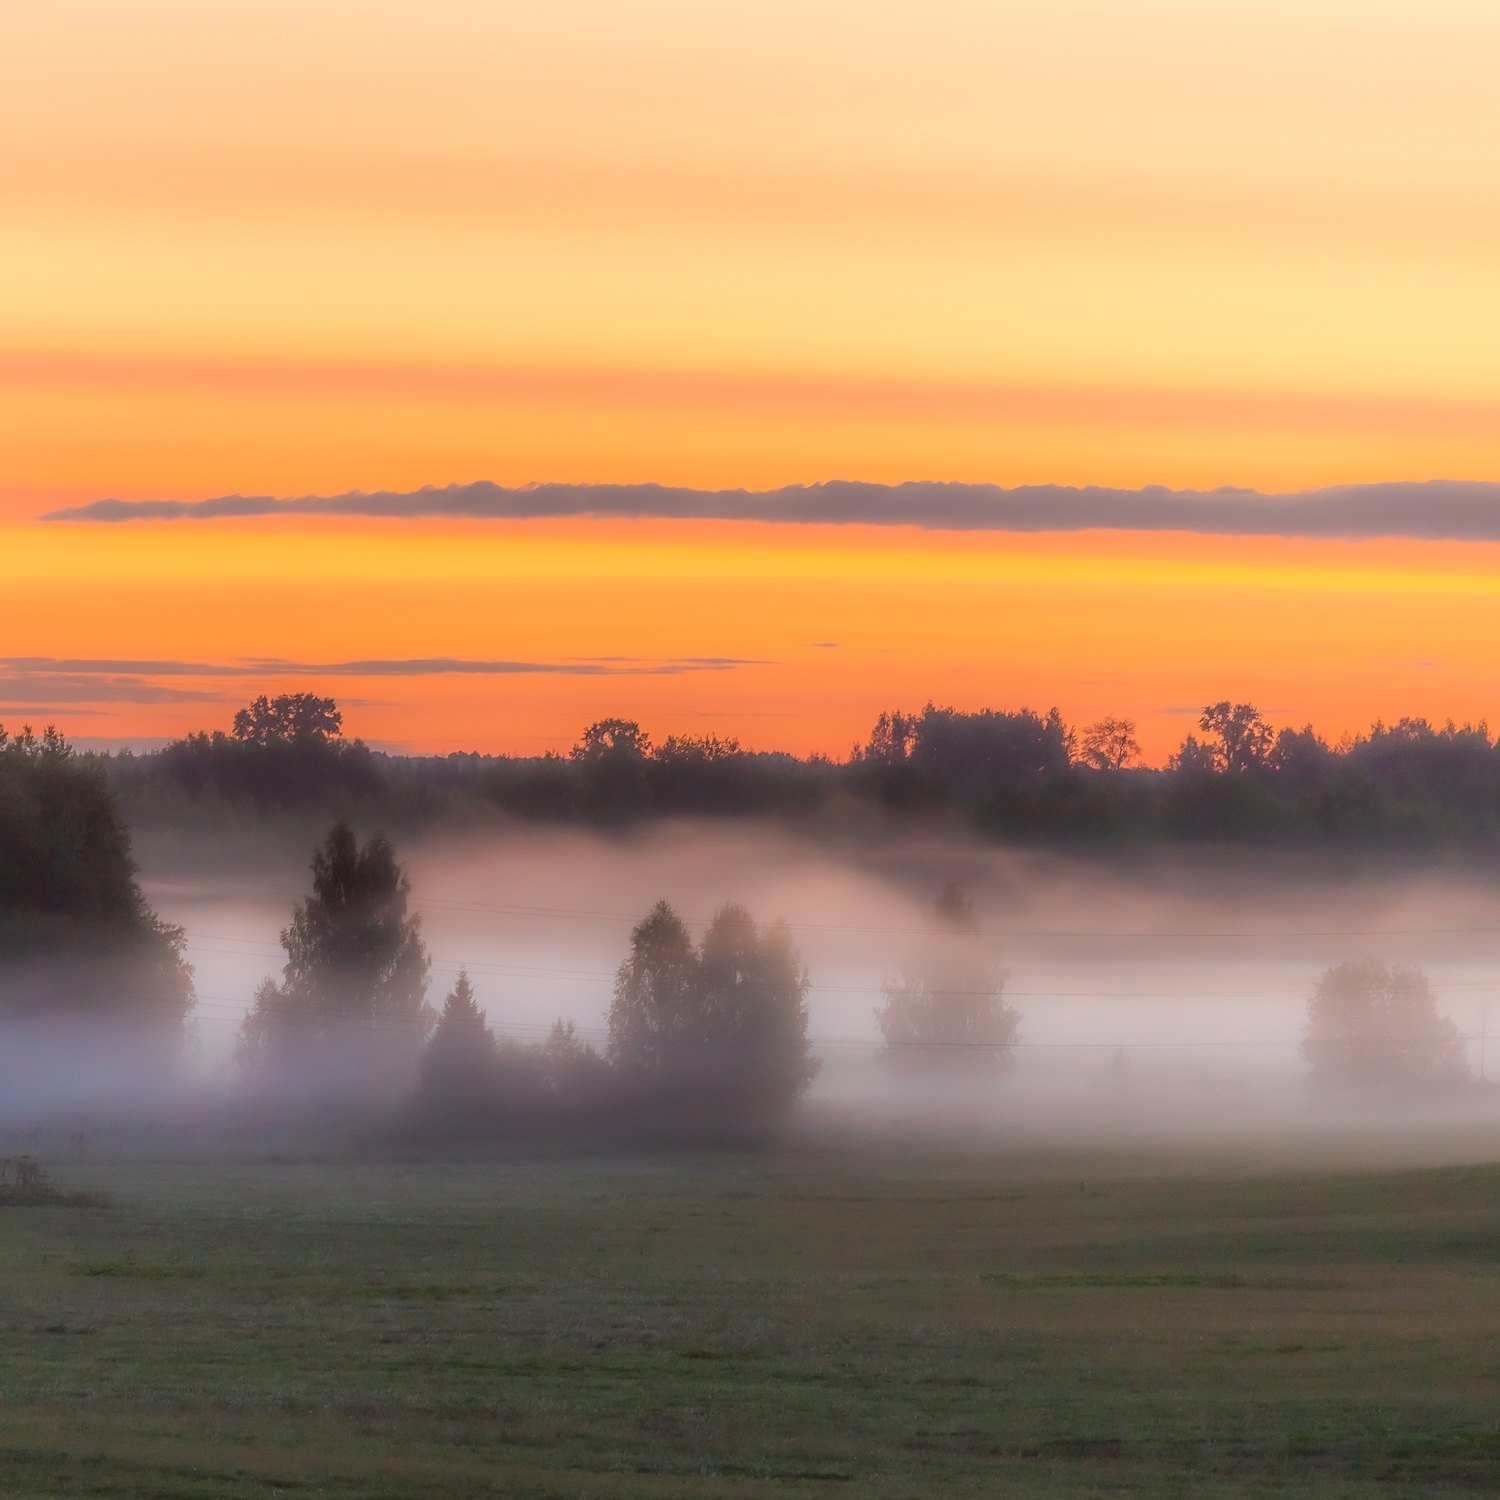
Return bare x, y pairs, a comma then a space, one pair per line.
1155, 996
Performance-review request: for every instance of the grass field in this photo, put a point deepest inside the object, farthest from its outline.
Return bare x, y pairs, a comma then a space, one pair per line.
800, 1324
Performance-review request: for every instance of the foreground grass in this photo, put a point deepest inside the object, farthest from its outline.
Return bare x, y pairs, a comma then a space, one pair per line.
783, 1326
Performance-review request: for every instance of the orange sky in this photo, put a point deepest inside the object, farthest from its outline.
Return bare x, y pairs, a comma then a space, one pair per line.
285, 248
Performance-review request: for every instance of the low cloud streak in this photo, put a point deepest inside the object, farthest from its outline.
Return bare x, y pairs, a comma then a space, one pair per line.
52, 688
92, 679
1431, 510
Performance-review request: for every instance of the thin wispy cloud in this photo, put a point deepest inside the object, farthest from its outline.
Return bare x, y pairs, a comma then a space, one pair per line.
92, 679
26, 688
1435, 509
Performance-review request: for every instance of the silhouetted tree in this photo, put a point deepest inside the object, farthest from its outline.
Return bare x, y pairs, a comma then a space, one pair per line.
291, 718
1241, 737
1374, 1028
1110, 744
1301, 759
77, 937
890, 741
1193, 758
64, 849
696, 749
701, 773
945, 1010
352, 990
611, 755
978, 753
285, 752
607, 739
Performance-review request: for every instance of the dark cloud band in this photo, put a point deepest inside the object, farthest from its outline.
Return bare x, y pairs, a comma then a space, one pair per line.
1436, 509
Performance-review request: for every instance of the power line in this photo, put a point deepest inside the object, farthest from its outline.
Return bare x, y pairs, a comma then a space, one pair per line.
564, 913
544, 972
865, 1043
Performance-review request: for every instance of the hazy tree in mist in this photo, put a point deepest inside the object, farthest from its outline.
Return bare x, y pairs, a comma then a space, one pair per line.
722, 1027
1110, 744
292, 717
655, 1013
571, 1070
355, 977
475, 1086
945, 1010
461, 1060
1374, 1028
755, 1002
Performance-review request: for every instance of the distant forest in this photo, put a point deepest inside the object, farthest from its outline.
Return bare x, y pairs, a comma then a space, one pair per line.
1021, 776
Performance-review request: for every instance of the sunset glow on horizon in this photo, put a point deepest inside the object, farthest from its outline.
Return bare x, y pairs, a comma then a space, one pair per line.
305, 249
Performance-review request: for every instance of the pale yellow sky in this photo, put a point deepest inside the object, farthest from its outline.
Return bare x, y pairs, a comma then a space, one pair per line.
283, 248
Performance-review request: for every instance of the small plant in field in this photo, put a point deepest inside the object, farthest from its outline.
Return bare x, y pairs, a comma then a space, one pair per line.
24, 1183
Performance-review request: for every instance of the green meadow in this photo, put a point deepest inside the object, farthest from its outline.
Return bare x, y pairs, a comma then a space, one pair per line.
809, 1322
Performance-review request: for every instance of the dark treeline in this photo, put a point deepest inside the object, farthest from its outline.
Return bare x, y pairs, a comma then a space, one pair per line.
1020, 776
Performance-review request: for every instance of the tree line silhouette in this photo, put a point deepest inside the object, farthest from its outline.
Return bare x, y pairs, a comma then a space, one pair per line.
1017, 775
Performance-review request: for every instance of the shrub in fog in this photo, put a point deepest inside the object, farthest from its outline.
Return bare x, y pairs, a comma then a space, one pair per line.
1373, 1028
945, 1009
473, 1086
351, 998
711, 1039
572, 1073
461, 1061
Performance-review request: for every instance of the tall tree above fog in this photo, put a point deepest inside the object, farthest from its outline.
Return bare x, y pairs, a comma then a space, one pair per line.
607, 739
294, 718
1374, 1028
972, 752
611, 757
1110, 744
352, 990
282, 753
1240, 738
945, 1009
